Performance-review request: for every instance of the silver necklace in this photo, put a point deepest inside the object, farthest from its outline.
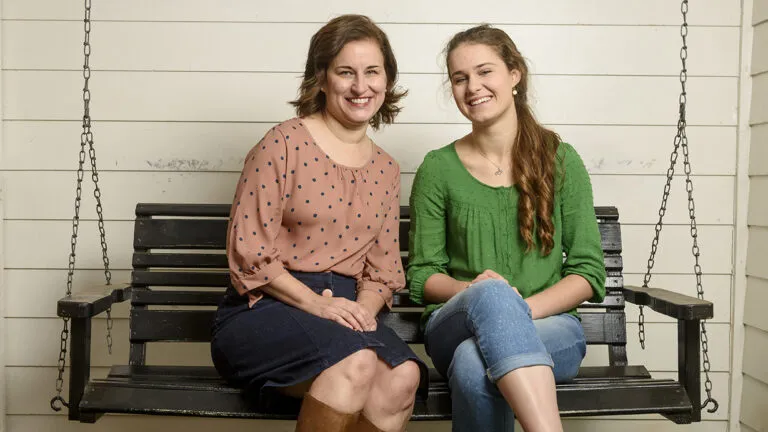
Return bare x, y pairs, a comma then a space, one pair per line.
499, 171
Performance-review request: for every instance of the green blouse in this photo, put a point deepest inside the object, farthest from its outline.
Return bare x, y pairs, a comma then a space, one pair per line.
461, 226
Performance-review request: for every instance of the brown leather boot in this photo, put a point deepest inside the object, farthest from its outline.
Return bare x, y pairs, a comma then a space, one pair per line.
315, 416
365, 425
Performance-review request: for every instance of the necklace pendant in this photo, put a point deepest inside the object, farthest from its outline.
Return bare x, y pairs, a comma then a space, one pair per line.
499, 171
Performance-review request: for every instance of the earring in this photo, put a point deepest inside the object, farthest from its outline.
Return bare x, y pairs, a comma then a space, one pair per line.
514, 91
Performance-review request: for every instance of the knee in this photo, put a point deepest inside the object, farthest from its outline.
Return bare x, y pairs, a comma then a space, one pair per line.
494, 294
569, 373
395, 389
567, 366
402, 381
359, 369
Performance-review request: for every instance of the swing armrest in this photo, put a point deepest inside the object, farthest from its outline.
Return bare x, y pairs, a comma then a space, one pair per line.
671, 304
80, 308
93, 301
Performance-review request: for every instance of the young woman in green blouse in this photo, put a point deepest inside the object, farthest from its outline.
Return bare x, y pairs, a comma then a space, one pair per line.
493, 213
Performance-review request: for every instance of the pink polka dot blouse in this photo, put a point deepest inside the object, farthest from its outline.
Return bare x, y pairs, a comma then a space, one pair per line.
297, 209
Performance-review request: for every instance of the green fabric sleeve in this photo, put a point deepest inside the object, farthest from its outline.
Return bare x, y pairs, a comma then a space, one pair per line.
581, 236
427, 253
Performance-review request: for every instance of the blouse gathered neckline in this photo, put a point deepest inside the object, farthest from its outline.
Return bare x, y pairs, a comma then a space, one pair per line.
455, 153
374, 148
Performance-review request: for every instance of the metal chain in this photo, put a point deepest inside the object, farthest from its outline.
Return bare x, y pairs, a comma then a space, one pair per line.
681, 141
86, 138
698, 272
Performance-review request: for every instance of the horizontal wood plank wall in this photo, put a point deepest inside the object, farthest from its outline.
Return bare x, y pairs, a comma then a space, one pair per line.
3, 286
755, 371
183, 88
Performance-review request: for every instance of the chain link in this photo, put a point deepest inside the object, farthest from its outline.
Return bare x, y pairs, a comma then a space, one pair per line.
86, 139
697, 271
681, 141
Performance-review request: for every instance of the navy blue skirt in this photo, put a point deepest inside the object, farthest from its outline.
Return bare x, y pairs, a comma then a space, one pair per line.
274, 345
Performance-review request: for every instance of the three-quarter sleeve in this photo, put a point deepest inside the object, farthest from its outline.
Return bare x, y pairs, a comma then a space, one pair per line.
427, 246
383, 269
581, 236
256, 215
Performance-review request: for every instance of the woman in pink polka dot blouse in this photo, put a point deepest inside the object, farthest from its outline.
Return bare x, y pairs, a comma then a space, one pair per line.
313, 248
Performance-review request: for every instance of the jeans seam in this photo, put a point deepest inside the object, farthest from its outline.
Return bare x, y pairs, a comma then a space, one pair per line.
573, 347
569, 347
434, 326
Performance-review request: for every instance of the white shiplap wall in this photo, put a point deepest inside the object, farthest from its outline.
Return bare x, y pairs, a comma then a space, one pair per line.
183, 88
3, 286
754, 397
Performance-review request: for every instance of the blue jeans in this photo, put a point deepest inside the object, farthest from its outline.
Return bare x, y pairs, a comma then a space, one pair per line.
485, 332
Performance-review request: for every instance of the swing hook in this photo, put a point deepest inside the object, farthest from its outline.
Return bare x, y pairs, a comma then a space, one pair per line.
57, 402
715, 405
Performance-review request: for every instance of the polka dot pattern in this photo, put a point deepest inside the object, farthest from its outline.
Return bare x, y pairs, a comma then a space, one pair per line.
295, 208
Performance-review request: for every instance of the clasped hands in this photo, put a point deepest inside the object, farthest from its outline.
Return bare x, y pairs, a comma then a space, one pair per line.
350, 314
490, 274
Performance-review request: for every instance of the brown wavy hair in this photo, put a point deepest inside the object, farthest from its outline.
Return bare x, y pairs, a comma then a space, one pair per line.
325, 45
535, 148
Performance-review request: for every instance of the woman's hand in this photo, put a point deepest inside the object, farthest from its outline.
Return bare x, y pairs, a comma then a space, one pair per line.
345, 312
372, 303
490, 274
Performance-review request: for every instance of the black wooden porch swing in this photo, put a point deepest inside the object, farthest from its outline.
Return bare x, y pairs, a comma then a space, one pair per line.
177, 263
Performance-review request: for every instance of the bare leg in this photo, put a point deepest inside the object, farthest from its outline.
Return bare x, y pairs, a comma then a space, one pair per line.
392, 395
530, 391
344, 386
